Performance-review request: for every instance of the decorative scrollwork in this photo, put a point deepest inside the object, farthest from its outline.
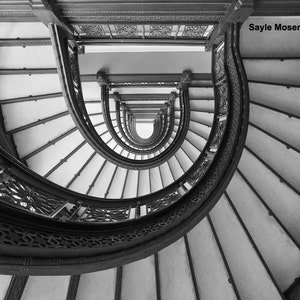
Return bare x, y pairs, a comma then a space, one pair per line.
222, 92
221, 80
73, 67
134, 30
95, 31
104, 215
218, 134
199, 173
13, 191
126, 31
194, 31
160, 31
74, 70
163, 202
219, 63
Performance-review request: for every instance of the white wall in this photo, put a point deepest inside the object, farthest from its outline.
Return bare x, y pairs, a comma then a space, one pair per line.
140, 62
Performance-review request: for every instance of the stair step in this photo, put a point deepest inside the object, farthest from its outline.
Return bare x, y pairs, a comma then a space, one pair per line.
190, 150
139, 281
205, 106
184, 159
252, 279
283, 201
276, 155
275, 71
30, 139
20, 114
131, 184
200, 129
202, 118
279, 125
5, 281
97, 285
103, 180
155, 179
53, 155
35, 84
210, 269
36, 57
166, 174
115, 190
46, 287
64, 174
270, 238
276, 97
144, 183
201, 93
175, 275
22, 30
82, 182
176, 167
196, 140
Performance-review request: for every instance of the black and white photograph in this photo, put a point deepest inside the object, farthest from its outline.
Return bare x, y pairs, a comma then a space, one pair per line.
149, 150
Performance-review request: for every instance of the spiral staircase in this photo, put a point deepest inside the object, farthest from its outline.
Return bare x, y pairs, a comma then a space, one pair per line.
140, 185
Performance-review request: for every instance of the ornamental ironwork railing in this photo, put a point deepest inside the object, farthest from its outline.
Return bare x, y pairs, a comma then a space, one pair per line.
146, 31
44, 225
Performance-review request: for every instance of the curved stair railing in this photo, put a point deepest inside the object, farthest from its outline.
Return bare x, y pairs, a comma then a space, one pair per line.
140, 145
136, 141
44, 225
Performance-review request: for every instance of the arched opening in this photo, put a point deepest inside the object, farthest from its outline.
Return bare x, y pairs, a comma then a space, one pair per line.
144, 129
